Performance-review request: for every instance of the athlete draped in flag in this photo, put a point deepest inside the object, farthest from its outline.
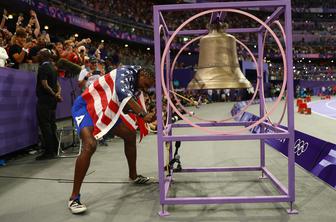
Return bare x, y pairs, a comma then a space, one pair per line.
103, 107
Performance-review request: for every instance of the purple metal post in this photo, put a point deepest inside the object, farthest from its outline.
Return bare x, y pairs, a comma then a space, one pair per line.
158, 91
290, 109
169, 112
261, 98
286, 195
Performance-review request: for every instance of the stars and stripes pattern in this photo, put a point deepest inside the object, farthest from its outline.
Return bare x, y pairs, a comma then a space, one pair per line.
104, 106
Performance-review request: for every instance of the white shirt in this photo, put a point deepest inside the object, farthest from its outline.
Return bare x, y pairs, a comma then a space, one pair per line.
90, 80
3, 57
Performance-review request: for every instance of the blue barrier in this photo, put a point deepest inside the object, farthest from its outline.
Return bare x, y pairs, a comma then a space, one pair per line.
313, 154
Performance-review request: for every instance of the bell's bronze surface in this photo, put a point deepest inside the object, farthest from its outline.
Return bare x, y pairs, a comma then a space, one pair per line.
218, 66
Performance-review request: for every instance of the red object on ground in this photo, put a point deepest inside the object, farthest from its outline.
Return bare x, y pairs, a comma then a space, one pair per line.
298, 102
308, 111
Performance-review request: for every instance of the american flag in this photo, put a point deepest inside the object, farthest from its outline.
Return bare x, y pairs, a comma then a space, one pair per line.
105, 108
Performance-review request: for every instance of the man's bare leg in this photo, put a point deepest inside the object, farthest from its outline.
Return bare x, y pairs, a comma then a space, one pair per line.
84, 159
129, 137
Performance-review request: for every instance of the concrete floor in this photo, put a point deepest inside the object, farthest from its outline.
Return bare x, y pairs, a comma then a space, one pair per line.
34, 191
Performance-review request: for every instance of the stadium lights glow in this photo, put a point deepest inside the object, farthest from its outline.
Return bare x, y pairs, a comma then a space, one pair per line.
332, 61
148, 49
10, 16
76, 35
102, 41
133, 29
46, 27
255, 46
126, 45
189, 53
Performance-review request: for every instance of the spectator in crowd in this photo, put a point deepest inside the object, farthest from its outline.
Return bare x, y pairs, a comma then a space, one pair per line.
82, 55
48, 93
89, 74
18, 52
98, 51
129, 82
3, 53
40, 44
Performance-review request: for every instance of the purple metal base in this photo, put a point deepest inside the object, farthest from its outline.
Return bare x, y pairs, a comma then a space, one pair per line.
163, 212
289, 211
262, 177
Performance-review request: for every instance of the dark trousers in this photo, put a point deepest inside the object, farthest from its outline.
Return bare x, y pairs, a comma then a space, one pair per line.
47, 123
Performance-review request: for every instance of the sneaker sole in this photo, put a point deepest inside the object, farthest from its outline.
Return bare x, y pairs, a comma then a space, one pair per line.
78, 211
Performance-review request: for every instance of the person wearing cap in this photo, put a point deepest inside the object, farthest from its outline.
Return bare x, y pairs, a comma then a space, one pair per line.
89, 74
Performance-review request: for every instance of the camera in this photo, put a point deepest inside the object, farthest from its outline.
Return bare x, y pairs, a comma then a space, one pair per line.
50, 46
97, 72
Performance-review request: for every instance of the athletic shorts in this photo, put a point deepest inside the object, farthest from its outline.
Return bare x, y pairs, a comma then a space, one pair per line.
81, 116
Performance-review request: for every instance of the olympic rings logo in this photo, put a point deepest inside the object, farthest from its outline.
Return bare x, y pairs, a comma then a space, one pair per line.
282, 140
300, 146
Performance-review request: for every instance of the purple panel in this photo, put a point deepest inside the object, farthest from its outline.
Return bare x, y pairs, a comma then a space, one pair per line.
18, 122
308, 149
313, 154
316, 84
68, 86
326, 167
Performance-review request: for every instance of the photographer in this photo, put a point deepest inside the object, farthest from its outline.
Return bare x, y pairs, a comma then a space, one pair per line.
89, 74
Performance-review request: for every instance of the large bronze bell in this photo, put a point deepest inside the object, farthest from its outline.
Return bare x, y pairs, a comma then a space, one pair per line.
218, 66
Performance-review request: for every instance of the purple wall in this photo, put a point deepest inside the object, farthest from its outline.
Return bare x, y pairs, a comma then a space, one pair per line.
315, 84
64, 108
18, 122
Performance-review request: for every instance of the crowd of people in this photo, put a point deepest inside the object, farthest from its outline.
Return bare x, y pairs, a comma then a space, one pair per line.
303, 71
140, 13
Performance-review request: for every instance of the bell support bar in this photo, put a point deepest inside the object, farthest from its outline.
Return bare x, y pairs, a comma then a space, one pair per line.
218, 16
275, 15
164, 23
213, 5
205, 31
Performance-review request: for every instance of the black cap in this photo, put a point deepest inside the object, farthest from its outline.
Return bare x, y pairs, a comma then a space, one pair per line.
93, 59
